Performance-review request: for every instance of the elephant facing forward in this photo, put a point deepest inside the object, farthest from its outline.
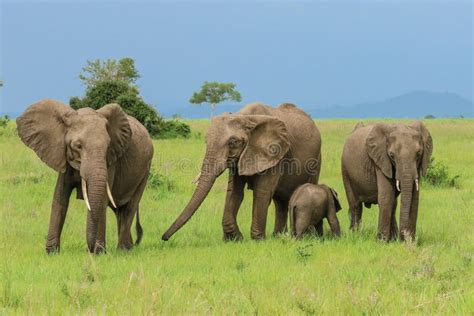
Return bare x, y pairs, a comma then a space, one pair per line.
105, 155
379, 162
272, 150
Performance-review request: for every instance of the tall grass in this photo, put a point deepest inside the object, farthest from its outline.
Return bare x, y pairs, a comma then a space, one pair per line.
196, 272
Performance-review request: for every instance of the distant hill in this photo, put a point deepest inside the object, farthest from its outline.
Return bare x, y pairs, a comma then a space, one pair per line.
415, 104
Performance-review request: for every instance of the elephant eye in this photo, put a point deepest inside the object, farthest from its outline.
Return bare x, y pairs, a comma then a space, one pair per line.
76, 145
233, 143
391, 155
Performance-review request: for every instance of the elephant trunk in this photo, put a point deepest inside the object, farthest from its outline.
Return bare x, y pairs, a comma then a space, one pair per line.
95, 186
210, 170
406, 201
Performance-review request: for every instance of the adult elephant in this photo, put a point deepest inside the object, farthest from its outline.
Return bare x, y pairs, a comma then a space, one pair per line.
379, 161
272, 150
105, 155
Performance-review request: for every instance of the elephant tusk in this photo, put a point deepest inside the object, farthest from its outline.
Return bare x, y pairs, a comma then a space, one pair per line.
416, 184
398, 185
110, 196
84, 193
196, 179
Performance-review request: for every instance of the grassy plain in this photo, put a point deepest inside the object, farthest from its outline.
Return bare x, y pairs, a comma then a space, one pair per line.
196, 272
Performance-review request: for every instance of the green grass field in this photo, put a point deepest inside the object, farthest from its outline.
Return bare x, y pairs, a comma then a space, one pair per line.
196, 272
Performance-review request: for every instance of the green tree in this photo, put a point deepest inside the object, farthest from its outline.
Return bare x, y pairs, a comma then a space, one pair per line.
108, 85
110, 69
214, 93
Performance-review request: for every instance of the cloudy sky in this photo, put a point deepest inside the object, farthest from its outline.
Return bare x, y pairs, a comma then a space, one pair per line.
306, 52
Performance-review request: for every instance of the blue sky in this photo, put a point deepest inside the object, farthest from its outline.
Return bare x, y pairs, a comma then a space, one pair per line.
314, 54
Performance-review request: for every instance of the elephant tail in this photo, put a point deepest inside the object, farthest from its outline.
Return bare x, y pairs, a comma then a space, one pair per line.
138, 228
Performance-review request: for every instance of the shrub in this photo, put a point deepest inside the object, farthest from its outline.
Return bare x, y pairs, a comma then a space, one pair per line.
128, 98
438, 175
175, 128
113, 81
4, 121
430, 116
160, 181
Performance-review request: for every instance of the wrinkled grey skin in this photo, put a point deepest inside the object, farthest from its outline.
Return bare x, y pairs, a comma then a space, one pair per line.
99, 147
259, 145
309, 205
374, 158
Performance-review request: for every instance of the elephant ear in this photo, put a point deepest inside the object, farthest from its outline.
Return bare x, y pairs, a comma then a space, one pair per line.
42, 127
119, 130
427, 144
267, 144
376, 146
337, 203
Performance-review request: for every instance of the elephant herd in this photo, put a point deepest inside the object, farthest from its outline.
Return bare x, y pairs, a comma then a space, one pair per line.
106, 156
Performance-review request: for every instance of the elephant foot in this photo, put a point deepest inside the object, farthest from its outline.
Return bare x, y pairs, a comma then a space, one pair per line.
233, 236
52, 249
98, 249
277, 234
354, 226
124, 246
383, 237
258, 236
280, 231
393, 234
407, 236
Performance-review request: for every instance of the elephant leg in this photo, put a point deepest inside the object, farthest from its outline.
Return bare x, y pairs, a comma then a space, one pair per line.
356, 215
334, 224
281, 216
319, 228
59, 207
393, 223
387, 202
263, 190
355, 207
117, 216
127, 213
234, 197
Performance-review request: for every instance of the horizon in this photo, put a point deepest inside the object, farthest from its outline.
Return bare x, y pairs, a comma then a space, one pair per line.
316, 55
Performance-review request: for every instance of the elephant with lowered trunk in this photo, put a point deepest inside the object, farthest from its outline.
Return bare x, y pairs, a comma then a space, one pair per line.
105, 155
272, 150
381, 161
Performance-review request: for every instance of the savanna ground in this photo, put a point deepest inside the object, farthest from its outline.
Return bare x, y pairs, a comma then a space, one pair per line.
196, 272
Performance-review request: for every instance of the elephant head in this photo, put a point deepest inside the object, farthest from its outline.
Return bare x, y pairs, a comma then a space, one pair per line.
88, 140
248, 144
402, 153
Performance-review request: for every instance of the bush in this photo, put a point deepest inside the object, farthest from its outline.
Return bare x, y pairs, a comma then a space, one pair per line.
438, 175
127, 96
160, 184
4, 121
430, 116
6, 129
175, 128
113, 81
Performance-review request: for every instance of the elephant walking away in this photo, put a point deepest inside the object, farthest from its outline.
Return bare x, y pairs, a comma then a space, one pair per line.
105, 155
309, 205
271, 150
379, 162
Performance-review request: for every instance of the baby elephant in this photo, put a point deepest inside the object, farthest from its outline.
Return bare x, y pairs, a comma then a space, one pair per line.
309, 204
